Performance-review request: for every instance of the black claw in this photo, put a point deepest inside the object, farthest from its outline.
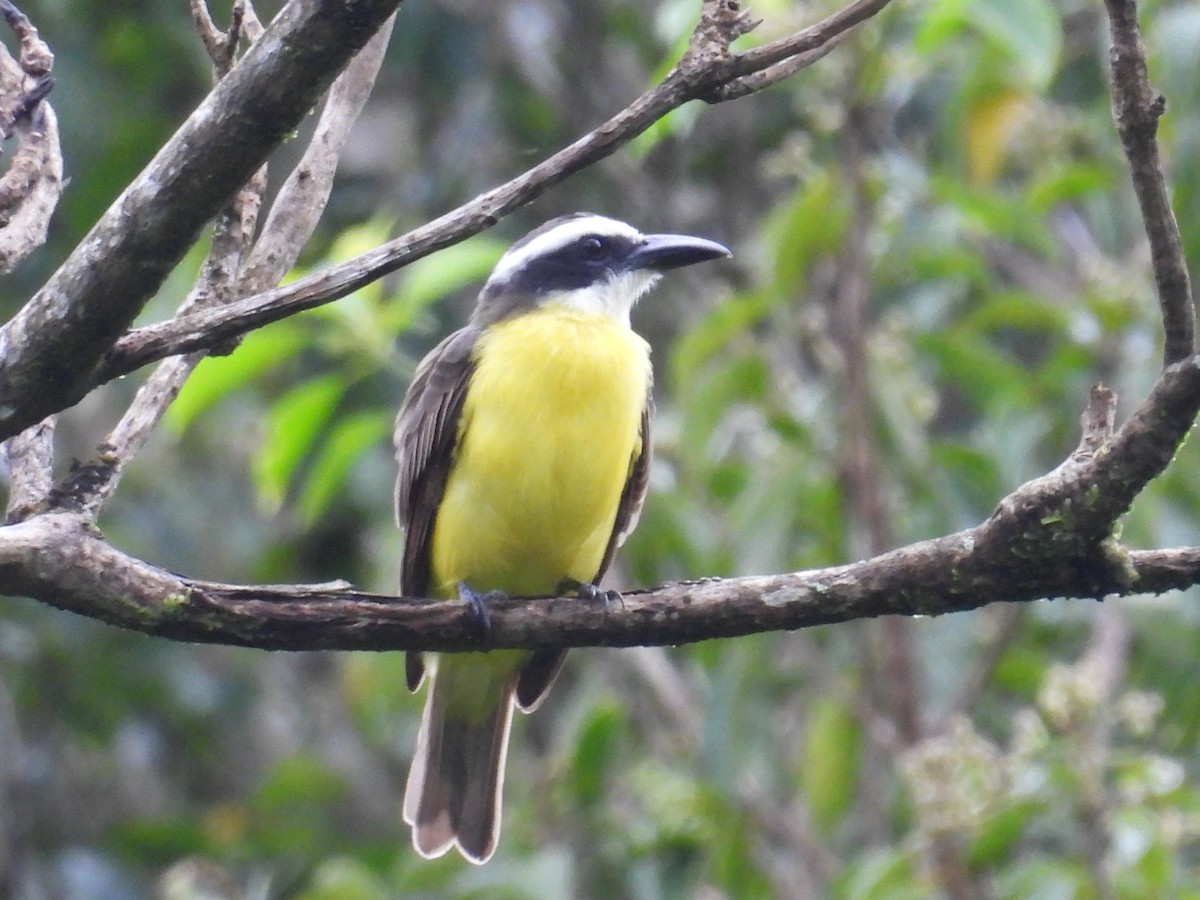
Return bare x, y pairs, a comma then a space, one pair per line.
477, 608
591, 592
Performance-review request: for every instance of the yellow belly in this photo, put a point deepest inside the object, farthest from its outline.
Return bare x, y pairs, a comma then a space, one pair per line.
549, 430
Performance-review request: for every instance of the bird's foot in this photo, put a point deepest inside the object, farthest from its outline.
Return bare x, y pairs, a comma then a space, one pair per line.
477, 608
591, 592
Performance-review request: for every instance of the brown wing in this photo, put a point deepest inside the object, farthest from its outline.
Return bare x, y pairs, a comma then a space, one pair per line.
539, 673
427, 432
634, 495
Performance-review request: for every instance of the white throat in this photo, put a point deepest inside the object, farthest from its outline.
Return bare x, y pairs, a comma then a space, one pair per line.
614, 298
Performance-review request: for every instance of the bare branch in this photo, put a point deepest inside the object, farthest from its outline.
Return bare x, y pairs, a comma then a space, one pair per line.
304, 194
30, 457
60, 559
36, 58
233, 269
808, 39
90, 485
1136, 109
1049, 538
705, 67
219, 45
48, 350
30, 189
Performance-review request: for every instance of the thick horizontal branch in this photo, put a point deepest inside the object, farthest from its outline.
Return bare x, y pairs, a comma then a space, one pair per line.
77, 570
1049, 538
706, 67
48, 351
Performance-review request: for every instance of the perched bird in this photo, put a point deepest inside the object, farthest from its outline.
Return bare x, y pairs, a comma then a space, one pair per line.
524, 451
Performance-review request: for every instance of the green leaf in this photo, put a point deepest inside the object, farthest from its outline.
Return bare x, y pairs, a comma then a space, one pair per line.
940, 21
292, 426
1029, 30
999, 834
594, 751
352, 437
832, 745
810, 227
707, 338
1018, 310
1044, 879
435, 277
1063, 184
217, 377
881, 875
345, 878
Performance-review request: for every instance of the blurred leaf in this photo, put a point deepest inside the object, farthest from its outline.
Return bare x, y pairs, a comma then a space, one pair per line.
292, 426
882, 875
707, 338
976, 368
991, 123
940, 21
290, 808
810, 227
594, 751
1070, 182
345, 878
1039, 878
829, 770
217, 377
1028, 29
1017, 310
999, 835
432, 279
349, 439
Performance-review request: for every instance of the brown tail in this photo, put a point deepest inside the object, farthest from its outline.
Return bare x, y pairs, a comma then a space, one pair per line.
457, 776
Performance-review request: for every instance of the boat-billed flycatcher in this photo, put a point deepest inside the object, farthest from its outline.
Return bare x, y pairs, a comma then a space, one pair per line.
524, 451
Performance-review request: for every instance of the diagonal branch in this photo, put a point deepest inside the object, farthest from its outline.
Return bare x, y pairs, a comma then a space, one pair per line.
49, 349
237, 265
1137, 108
706, 66
31, 186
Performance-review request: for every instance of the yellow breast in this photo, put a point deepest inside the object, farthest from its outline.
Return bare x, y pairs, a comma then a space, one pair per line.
549, 430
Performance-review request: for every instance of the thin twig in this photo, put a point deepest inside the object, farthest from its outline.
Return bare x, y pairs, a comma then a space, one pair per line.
236, 266
30, 188
30, 458
1137, 108
705, 66
304, 194
49, 350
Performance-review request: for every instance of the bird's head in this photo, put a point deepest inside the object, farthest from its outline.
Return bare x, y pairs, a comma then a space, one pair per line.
588, 262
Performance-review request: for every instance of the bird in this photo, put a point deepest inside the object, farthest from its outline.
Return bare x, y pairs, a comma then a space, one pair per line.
524, 449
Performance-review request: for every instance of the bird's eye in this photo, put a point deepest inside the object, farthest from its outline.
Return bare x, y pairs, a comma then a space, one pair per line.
594, 247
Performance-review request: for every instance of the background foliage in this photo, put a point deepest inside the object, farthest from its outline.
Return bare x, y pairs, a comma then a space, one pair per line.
936, 254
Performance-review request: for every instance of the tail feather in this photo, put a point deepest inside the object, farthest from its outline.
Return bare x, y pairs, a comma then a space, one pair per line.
457, 778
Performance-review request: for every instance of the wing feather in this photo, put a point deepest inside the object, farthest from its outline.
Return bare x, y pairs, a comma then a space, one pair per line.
426, 437
633, 497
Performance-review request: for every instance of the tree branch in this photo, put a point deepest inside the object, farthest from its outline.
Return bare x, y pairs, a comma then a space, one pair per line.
1136, 109
706, 66
237, 265
30, 458
1046, 539
48, 351
1050, 538
30, 189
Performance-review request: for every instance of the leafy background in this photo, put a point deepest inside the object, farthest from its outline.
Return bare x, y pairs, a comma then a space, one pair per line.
937, 253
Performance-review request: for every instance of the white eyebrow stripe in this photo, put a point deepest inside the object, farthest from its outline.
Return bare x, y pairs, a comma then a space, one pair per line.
560, 236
